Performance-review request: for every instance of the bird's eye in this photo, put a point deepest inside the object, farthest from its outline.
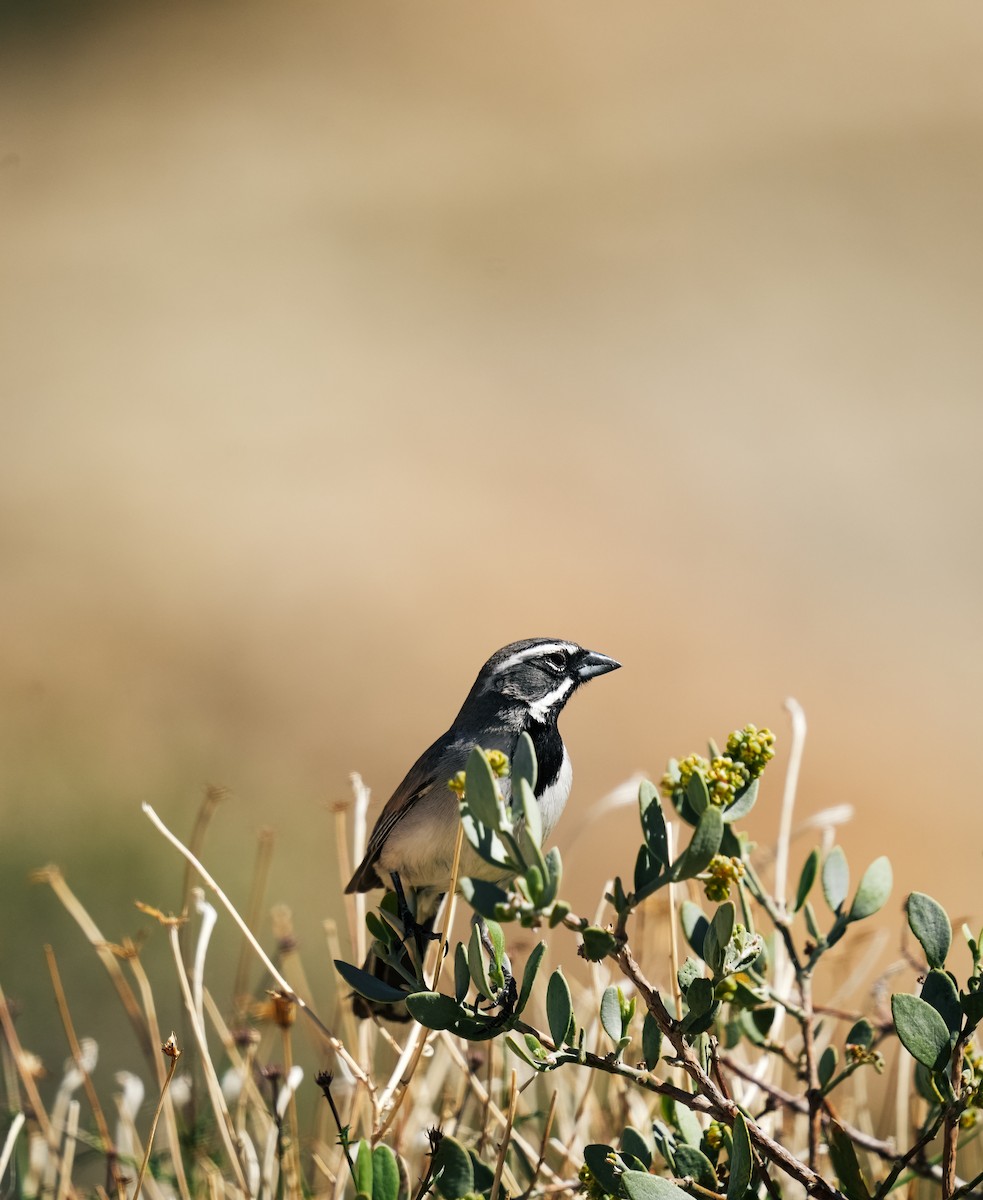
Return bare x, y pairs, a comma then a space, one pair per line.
556, 662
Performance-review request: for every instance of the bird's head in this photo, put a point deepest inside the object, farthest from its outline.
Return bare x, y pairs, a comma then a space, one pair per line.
539, 674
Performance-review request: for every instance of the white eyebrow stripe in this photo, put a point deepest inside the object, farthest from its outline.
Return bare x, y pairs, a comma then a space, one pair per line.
540, 709
537, 651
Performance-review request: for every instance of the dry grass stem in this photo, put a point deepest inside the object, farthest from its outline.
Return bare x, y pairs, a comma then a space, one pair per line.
222, 1117
68, 1152
504, 1145
90, 1091
254, 911
24, 1069
206, 877
171, 1051
54, 878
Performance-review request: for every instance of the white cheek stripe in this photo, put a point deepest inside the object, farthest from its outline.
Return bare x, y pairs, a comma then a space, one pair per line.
541, 709
539, 650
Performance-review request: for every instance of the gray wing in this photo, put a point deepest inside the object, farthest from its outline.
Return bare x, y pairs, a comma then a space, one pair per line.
434, 768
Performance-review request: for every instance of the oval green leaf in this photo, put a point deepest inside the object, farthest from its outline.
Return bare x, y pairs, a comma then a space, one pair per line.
600, 1160
921, 1030
810, 870
481, 790
743, 804
939, 991
385, 1174
929, 922
651, 1042
827, 1066
653, 822
433, 1009
456, 1172
634, 1145
874, 890
559, 1008
693, 1162
524, 764
741, 1160
533, 963
611, 1013
703, 845
836, 879
368, 985
639, 1185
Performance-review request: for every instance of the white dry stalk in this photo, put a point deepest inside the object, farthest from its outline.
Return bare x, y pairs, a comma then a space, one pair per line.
250, 1162
208, 918
127, 1106
168, 1092
71, 1081
783, 971
360, 825
336, 1045
39, 1153
222, 1116
68, 1151
8, 1146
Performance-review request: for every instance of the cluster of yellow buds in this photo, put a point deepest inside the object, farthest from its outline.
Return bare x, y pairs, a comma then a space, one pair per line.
862, 1054
726, 775
714, 1136
497, 760
754, 747
723, 872
972, 1079
724, 779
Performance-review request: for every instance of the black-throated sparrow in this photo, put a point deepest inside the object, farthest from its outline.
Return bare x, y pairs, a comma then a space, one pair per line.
523, 687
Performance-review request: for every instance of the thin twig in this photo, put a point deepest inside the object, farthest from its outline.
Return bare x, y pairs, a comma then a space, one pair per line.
504, 1147
66, 1019
261, 875
23, 1070
721, 1107
900, 1163
222, 1115
56, 881
169, 1048
333, 1041
170, 1121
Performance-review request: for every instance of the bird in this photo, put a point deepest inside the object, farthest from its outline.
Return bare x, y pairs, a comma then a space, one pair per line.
522, 688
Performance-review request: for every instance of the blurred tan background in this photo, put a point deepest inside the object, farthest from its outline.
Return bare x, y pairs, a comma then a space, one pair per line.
342, 343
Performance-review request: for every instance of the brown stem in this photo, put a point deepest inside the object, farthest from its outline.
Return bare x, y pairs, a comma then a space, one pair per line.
813, 1091
112, 1166
722, 1108
950, 1136
882, 1149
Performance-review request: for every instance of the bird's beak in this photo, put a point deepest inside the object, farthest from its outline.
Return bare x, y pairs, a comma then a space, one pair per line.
592, 664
